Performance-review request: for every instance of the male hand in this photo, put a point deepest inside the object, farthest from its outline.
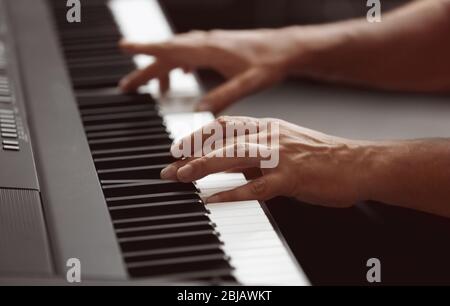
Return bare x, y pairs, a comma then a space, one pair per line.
313, 167
249, 60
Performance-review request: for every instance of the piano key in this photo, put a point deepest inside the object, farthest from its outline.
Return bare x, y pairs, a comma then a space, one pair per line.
117, 109
134, 150
148, 118
129, 245
134, 160
153, 198
143, 189
101, 99
188, 271
160, 221
156, 205
149, 232
124, 126
176, 225
127, 132
93, 59
126, 115
211, 250
128, 142
98, 81
157, 211
129, 256
132, 173
114, 69
93, 45
177, 261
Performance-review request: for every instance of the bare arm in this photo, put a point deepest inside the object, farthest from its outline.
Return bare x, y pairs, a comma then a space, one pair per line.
412, 174
330, 171
409, 50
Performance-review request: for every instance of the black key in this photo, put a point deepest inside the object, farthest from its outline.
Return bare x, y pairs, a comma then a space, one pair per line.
100, 70
95, 45
157, 210
129, 142
135, 150
146, 117
153, 198
184, 271
174, 226
101, 99
211, 250
129, 256
130, 245
149, 114
180, 265
150, 232
134, 161
158, 186
124, 126
159, 220
117, 109
127, 132
74, 62
152, 172
97, 81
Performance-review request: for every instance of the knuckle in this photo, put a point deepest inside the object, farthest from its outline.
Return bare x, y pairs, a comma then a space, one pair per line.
223, 120
201, 164
258, 186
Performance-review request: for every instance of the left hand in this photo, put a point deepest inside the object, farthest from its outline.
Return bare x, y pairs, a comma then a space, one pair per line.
313, 167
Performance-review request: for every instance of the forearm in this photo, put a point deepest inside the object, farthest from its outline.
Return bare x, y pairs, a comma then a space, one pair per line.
409, 50
412, 174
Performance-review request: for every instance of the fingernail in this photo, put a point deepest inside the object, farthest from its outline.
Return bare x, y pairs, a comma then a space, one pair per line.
185, 173
168, 173
175, 150
213, 199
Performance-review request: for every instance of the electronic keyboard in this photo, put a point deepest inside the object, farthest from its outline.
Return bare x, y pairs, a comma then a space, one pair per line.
82, 160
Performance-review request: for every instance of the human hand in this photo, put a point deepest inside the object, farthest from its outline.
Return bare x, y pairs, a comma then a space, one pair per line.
313, 167
249, 60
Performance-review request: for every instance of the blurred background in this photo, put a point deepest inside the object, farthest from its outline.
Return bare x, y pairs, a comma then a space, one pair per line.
244, 14
333, 245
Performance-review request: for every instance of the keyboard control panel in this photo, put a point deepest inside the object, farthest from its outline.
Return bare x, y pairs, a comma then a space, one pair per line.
17, 169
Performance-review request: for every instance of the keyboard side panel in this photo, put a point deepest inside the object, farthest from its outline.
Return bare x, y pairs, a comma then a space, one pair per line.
74, 207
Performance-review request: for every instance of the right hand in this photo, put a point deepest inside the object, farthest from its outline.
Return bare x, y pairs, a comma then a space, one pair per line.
249, 60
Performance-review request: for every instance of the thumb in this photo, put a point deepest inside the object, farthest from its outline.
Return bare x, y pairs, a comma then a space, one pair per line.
238, 87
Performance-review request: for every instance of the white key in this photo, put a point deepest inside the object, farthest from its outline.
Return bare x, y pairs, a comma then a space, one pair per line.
256, 251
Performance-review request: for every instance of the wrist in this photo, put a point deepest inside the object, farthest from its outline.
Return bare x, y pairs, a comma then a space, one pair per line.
378, 168
324, 51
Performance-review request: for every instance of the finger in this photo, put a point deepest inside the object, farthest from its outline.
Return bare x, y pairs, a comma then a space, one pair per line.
185, 49
236, 156
170, 172
154, 49
262, 189
164, 84
215, 131
137, 78
238, 87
